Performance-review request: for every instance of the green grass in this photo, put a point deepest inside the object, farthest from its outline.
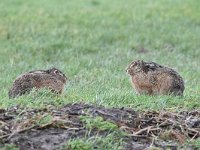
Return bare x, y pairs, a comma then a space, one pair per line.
93, 41
110, 142
113, 139
9, 147
97, 123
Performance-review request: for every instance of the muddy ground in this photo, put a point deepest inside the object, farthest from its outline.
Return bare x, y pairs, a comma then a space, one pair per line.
50, 128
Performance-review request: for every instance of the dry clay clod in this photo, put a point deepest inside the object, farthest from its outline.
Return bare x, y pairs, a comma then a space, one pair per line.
53, 79
153, 79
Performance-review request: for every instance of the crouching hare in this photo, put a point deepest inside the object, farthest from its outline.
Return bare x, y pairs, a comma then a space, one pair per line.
153, 79
52, 78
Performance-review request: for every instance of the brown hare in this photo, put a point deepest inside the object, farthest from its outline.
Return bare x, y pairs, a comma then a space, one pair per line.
153, 79
53, 79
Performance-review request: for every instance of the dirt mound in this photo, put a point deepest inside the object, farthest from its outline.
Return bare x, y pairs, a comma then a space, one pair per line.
52, 127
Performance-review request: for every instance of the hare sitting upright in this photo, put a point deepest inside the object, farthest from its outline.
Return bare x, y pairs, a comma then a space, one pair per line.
53, 79
153, 79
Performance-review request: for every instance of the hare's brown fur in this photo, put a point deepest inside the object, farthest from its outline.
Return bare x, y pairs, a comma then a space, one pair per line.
154, 79
53, 79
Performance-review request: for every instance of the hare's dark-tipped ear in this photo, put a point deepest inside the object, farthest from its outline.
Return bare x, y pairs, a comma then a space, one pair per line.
134, 62
144, 66
142, 61
56, 71
131, 65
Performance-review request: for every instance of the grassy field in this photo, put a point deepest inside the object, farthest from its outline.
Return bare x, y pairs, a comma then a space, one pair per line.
93, 41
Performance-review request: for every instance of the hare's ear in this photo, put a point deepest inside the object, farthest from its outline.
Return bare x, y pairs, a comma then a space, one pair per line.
143, 66
142, 63
133, 63
56, 72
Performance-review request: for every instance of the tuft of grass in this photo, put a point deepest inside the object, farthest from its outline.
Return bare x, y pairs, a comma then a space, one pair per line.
9, 147
110, 142
194, 143
44, 120
78, 144
98, 123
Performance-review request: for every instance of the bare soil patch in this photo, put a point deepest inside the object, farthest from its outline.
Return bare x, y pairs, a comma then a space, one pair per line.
50, 128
